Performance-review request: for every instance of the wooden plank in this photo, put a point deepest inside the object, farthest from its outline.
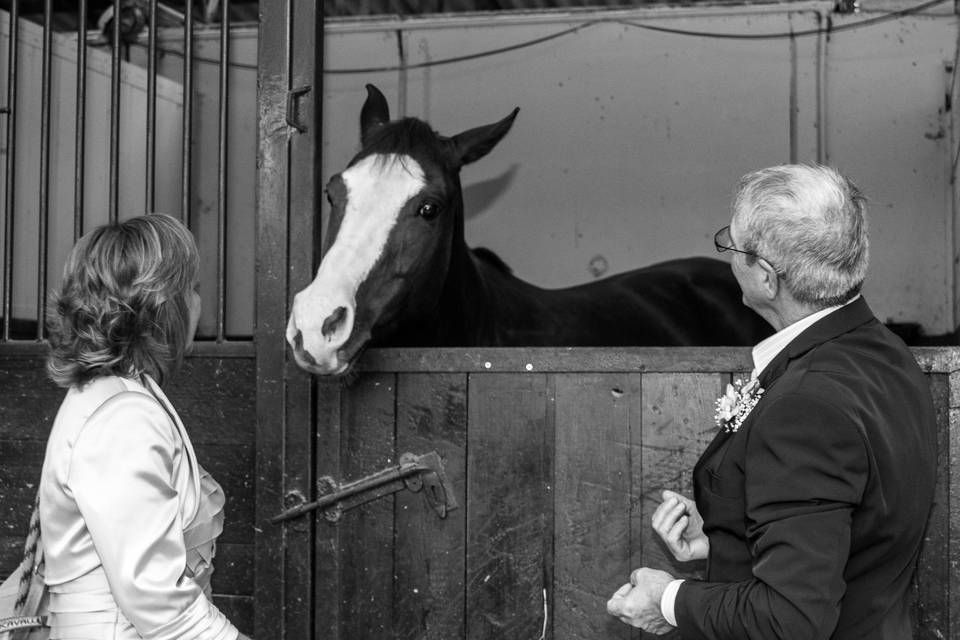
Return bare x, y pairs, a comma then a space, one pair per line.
20, 463
238, 609
931, 610
931, 359
200, 348
557, 359
677, 424
215, 399
430, 555
627, 359
366, 532
593, 498
233, 467
328, 565
509, 525
28, 399
233, 575
11, 553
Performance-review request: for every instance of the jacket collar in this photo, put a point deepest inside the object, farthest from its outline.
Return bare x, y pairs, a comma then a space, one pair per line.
839, 322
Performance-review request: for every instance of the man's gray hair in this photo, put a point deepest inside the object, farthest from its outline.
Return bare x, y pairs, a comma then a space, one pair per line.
810, 223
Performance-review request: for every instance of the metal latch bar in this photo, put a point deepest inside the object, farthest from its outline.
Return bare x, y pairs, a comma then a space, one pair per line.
413, 472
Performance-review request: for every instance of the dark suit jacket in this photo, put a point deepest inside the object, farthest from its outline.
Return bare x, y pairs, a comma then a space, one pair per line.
816, 507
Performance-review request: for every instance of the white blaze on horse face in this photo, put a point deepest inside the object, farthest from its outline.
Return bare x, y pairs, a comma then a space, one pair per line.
377, 189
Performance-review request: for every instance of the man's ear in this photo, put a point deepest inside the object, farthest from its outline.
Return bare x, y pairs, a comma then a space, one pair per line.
770, 280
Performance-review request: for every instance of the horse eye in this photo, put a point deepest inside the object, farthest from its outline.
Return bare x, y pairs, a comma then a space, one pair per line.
428, 210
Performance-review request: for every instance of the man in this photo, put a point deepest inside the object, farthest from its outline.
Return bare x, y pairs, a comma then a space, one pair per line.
811, 502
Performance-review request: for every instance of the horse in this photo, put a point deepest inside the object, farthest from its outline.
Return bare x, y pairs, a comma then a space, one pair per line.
396, 270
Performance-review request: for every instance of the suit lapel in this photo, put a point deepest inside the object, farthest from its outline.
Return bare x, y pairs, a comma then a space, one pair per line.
837, 323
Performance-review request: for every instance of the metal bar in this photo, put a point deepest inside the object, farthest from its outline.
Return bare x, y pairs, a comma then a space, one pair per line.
302, 51
222, 169
150, 189
81, 119
10, 177
44, 203
272, 544
115, 116
187, 110
349, 489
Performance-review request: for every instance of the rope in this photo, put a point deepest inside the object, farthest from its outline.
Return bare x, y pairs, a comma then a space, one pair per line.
30, 562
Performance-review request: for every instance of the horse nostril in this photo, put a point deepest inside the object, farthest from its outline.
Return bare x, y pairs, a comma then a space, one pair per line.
333, 322
301, 353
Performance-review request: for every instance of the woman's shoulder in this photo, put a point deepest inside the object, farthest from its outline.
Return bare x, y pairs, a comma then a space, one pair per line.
124, 408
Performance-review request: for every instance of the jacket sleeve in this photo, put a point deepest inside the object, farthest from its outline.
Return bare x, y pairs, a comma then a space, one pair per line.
805, 471
122, 476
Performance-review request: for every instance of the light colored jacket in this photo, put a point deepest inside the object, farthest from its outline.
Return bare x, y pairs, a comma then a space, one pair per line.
120, 486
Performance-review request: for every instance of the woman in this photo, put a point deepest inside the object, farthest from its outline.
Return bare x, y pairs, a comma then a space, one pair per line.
128, 517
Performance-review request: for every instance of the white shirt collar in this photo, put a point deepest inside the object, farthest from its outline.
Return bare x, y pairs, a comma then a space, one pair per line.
769, 348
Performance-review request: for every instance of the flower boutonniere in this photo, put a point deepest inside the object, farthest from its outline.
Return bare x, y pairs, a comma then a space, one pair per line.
735, 405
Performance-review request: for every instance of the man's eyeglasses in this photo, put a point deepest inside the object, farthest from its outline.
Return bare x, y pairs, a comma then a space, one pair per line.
722, 241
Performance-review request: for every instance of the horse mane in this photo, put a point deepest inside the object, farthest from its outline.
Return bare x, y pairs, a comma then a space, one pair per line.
492, 259
399, 137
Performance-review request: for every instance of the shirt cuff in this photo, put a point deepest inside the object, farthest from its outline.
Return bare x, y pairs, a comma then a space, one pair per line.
667, 601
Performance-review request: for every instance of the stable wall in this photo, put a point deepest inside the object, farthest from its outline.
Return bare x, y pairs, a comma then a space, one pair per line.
630, 140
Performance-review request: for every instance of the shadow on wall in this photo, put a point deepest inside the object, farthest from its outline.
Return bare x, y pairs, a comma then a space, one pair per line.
912, 333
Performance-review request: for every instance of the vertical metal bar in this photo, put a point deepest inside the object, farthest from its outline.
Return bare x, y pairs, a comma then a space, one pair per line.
792, 117
45, 98
115, 116
151, 199
10, 177
823, 39
81, 118
304, 49
222, 169
273, 81
187, 108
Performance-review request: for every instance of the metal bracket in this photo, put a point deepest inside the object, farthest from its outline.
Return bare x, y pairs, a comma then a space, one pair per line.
415, 473
293, 99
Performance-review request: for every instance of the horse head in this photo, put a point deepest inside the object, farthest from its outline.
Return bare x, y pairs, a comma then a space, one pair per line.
395, 213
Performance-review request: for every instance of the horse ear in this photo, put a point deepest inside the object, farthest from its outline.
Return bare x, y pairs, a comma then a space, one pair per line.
473, 144
374, 114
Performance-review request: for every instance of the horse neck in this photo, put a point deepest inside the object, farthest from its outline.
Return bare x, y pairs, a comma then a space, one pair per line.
465, 299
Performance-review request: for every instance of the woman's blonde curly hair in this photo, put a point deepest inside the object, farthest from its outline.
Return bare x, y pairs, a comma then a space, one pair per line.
123, 306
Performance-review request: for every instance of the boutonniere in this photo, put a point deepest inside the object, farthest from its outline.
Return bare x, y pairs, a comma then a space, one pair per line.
735, 405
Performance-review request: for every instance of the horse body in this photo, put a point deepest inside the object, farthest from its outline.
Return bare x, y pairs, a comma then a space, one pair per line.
674, 303
396, 270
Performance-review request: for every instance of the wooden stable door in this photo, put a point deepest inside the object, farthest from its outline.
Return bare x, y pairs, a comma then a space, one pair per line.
556, 459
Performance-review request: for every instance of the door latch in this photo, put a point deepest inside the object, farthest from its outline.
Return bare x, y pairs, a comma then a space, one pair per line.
416, 473
293, 103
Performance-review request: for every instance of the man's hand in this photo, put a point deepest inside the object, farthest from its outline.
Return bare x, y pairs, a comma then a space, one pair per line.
679, 524
638, 603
